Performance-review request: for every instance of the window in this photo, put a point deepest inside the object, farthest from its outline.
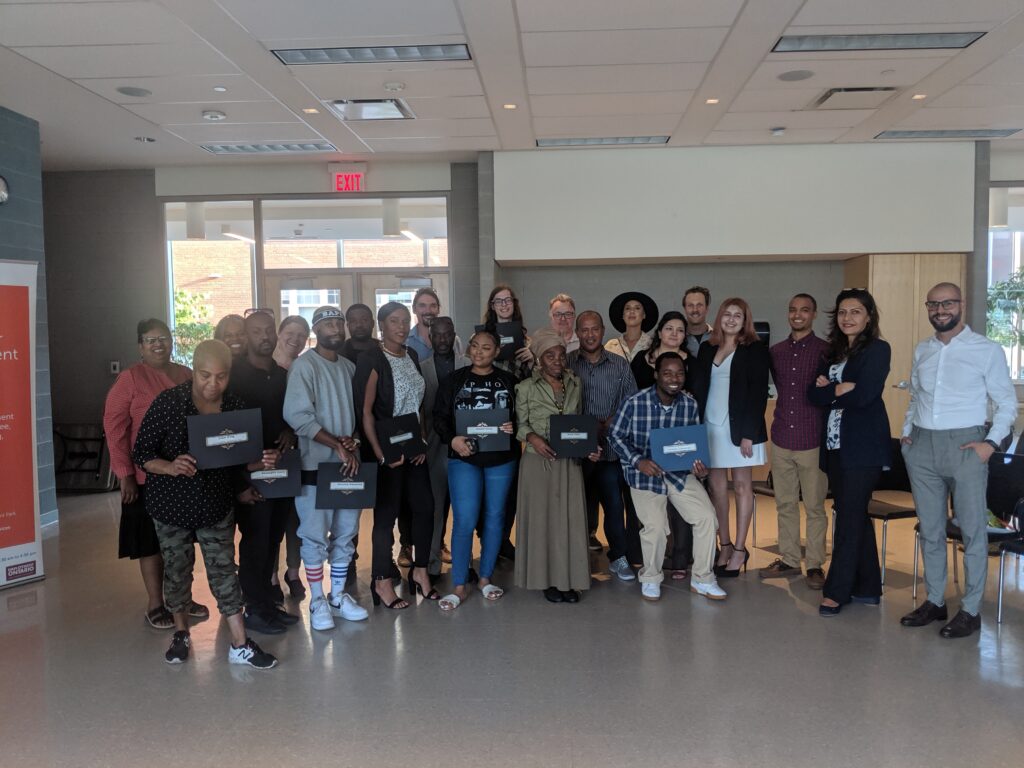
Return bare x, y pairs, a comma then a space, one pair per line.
1006, 274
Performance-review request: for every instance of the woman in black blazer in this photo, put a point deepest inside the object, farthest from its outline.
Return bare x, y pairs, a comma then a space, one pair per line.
855, 446
729, 379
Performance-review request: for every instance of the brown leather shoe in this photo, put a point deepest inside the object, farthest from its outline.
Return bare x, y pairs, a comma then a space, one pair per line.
779, 569
815, 578
962, 625
925, 613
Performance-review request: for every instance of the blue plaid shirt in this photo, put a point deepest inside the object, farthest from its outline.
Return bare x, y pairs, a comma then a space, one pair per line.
630, 435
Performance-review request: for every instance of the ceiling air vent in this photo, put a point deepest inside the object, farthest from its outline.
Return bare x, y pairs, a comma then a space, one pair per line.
853, 98
270, 148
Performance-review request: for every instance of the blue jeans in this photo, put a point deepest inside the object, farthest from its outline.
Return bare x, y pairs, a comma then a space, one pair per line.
470, 486
602, 486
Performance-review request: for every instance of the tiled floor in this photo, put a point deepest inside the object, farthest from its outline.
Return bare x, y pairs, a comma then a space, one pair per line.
613, 681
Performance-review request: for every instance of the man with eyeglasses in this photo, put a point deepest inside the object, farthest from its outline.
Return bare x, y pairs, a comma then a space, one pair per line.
562, 311
946, 446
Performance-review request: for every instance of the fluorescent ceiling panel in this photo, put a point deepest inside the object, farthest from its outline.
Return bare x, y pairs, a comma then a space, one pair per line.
269, 149
370, 109
900, 42
981, 133
602, 142
377, 55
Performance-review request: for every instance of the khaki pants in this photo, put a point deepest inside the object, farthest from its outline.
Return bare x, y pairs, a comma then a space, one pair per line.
793, 473
694, 507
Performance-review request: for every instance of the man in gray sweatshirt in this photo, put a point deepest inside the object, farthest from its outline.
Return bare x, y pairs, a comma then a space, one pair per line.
319, 407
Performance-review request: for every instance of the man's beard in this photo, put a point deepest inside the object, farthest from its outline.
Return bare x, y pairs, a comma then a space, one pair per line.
334, 344
949, 325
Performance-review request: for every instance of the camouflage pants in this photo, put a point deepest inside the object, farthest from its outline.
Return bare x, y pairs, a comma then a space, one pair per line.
177, 545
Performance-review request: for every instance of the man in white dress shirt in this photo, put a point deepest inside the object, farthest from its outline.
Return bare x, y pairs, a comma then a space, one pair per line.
946, 445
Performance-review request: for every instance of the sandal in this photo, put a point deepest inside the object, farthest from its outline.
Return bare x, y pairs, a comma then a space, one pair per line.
198, 611
492, 592
160, 618
449, 603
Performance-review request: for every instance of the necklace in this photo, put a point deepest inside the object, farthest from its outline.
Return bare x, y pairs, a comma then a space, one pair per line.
393, 354
559, 396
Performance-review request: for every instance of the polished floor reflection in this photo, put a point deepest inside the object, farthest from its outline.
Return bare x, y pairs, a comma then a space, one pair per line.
612, 681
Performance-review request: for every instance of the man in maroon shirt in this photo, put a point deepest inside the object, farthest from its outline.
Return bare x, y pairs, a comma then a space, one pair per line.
796, 435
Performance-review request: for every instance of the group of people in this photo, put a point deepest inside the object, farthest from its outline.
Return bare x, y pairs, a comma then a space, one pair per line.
330, 403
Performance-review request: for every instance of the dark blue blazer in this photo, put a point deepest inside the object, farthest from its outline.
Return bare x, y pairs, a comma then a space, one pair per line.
864, 439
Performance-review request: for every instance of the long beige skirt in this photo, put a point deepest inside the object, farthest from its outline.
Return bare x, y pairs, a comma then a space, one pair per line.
551, 525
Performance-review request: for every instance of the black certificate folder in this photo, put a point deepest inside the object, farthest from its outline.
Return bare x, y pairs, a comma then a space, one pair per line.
337, 490
484, 426
283, 481
573, 437
400, 436
226, 439
676, 449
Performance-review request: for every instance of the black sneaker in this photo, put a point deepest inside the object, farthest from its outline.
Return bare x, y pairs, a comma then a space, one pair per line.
253, 655
594, 544
266, 625
180, 645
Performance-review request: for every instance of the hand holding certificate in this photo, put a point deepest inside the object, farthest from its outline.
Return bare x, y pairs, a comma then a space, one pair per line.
400, 437
679, 448
226, 439
573, 437
283, 481
485, 427
339, 488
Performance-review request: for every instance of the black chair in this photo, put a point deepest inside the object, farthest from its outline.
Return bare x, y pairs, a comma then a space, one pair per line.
895, 478
1005, 498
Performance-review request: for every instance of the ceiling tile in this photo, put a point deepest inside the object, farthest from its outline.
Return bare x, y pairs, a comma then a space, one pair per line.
195, 88
338, 81
644, 46
450, 107
547, 16
112, 23
267, 19
981, 96
253, 132
635, 78
129, 60
1008, 70
805, 136
998, 117
421, 129
826, 118
469, 143
775, 99
582, 105
236, 111
845, 73
910, 12
611, 125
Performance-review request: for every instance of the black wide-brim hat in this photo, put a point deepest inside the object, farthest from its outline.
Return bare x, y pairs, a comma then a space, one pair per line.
619, 303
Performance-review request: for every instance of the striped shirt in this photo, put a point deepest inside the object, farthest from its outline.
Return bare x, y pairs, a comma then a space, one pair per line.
606, 385
630, 435
796, 425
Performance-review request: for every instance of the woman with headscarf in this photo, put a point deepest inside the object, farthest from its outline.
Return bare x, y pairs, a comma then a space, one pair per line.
633, 314
551, 533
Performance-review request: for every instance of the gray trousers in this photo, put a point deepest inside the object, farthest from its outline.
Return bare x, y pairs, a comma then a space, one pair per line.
937, 467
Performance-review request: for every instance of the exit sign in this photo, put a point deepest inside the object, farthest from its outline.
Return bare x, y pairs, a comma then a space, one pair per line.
347, 177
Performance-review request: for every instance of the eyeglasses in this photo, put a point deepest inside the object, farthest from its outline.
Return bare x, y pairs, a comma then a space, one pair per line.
151, 340
502, 302
257, 310
945, 304
563, 315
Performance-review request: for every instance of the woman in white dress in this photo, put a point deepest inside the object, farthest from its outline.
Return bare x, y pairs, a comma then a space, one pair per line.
729, 379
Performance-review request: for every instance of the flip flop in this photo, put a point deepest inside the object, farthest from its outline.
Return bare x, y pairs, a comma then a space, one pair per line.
160, 618
492, 592
449, 603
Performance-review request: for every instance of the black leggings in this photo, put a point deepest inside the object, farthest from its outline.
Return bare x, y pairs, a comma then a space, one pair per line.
409, 485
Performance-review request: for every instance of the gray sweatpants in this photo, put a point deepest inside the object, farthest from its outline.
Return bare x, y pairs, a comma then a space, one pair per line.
938, 467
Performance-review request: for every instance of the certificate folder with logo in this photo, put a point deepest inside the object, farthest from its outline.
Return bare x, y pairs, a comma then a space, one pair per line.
675, 449
510, 336
573, 437
337, 490
226, 439
284, 481
400, 436
484, 426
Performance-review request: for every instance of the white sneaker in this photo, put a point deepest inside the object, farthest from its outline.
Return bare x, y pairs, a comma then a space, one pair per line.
621, 569
348, 608
709, 589
320, 614
650, 591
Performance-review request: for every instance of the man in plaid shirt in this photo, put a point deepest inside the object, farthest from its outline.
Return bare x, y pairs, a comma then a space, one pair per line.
663, 406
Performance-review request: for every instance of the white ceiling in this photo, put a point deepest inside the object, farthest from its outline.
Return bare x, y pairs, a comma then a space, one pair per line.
574, 68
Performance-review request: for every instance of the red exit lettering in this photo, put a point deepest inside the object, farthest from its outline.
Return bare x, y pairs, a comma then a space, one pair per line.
348, 182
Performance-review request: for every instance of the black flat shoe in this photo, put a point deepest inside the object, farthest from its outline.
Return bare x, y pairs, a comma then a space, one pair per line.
962, 625
288, 619
255, 622
829, 611
554, 595
295, 587
924, 614
570, 596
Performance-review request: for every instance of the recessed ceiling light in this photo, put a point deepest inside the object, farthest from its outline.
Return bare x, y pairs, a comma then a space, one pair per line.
214, 115
602, 142
509, 106
795, 75
919, 96
131, 90
145, 139
901, 42
220, 89
711, 101
779, 130
394, 86
969, 133
311, 111
371, 109
374, 55
269, 148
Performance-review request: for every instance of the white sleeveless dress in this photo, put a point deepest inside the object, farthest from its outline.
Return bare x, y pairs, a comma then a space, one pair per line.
716, 415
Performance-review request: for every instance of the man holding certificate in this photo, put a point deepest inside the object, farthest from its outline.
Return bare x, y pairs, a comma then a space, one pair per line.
665, 406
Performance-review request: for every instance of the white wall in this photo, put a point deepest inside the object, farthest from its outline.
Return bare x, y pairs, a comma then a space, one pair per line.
599, 205
1007, 165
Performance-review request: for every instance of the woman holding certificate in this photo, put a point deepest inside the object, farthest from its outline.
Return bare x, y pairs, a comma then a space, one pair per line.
389, 391
551, 533
729, 379
474, 415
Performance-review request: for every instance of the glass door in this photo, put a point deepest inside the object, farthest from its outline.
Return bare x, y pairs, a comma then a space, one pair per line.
291, 294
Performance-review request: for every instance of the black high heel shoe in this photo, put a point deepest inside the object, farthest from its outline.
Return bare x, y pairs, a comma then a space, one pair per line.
416, 589
719, 568
730, 573
393, 605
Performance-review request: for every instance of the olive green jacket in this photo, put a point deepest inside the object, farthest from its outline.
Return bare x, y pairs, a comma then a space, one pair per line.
535, 404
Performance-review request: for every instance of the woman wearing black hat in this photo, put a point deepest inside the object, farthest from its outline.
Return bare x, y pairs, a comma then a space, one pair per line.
633, 314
